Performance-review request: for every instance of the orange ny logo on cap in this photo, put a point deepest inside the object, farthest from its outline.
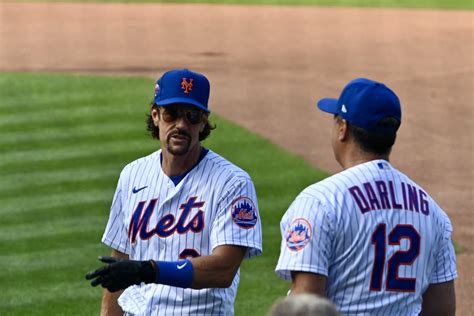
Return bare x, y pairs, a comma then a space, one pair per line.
187, 85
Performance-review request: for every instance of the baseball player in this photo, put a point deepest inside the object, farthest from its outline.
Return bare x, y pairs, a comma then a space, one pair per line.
369, 238
182, 219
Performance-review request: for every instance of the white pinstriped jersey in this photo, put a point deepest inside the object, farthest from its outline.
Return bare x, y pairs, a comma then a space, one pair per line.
378, 237
151, 218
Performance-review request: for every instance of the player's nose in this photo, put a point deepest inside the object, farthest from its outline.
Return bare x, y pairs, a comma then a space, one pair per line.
181, 122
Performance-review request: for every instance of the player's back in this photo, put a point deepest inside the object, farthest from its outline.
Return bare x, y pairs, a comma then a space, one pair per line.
385, 235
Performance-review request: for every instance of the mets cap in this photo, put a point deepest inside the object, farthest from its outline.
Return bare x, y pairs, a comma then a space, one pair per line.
182, 86
364, 103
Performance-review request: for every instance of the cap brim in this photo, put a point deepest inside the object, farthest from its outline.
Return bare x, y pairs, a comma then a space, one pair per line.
328, 105
171, 101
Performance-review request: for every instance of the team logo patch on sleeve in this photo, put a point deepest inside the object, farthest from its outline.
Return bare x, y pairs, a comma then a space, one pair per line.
298, 234
243, 212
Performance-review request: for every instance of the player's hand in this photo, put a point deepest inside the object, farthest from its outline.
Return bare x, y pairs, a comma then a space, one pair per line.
119, 274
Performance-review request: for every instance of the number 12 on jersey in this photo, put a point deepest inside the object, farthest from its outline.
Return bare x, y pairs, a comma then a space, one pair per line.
401, 257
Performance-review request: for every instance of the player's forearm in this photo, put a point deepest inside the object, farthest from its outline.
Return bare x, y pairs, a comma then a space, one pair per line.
305, 282
209, 272
438, 310
439, 300
110, 306
215, 270
218, 269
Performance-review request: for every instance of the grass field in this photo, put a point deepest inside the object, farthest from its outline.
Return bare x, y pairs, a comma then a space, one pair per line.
434, 4
64, 141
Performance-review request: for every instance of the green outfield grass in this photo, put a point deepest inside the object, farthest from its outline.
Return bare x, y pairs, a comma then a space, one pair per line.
64, 140
434, 4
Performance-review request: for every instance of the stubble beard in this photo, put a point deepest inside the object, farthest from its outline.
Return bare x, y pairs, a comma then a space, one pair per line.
179, 150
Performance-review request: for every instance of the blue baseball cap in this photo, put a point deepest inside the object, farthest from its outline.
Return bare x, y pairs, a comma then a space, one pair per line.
364, 103
182, 86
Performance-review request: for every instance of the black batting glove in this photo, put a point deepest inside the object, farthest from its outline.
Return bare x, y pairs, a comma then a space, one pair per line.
119, 274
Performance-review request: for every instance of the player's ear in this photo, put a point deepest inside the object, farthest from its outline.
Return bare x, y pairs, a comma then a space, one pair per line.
155, 115
342, 129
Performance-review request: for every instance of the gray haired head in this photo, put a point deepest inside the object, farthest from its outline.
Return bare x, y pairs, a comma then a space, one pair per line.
303, 305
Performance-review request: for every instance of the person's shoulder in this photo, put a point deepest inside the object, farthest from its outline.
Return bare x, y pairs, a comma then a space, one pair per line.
330, 191
224, 167
327, 186
142, 162
405, 178
435, 209
355, 175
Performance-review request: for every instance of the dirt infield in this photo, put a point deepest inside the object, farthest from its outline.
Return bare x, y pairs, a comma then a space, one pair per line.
268, 66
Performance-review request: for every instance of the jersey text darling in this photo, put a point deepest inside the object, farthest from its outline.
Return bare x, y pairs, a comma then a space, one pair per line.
381, 195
